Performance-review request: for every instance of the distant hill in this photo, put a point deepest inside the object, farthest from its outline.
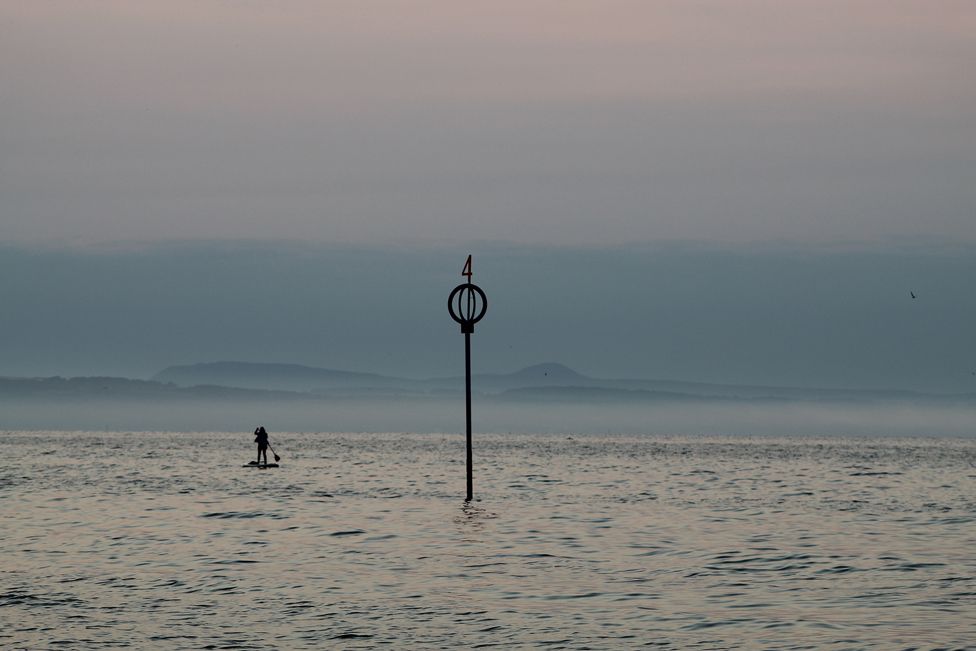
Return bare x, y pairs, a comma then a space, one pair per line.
547, 381
544, 397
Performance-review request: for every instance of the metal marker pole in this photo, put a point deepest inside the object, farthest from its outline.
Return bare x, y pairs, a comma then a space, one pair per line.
467, 400
467, 313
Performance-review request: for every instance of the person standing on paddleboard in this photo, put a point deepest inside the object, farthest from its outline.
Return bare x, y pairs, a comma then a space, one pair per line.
261, 438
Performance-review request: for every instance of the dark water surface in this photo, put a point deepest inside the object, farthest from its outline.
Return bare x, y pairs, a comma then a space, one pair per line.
163, 540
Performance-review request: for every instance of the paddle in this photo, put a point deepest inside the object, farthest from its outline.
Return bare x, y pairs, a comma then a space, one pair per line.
277, 458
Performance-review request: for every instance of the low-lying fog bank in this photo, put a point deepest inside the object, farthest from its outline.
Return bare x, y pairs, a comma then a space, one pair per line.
493, 415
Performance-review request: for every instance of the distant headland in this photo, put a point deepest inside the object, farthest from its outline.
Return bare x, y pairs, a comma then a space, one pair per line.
545, 382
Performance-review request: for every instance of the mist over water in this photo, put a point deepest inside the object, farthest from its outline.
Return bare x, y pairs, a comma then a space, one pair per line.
718, 417
584, 541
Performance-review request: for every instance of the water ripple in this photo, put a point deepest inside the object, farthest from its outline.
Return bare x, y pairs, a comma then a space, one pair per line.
589, 542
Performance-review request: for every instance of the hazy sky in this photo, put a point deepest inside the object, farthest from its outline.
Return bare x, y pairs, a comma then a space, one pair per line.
555, 122
738, 314
729, 191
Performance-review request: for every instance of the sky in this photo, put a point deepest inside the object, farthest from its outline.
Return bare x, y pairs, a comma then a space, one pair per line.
717, 191
840, 318
557, 122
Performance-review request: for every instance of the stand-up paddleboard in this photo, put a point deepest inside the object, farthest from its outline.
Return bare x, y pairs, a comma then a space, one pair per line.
255, 464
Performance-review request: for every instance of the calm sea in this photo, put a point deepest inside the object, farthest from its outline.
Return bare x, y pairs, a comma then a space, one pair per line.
163, 540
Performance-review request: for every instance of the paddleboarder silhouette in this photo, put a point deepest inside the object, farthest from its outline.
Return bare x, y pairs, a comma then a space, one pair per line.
261, 438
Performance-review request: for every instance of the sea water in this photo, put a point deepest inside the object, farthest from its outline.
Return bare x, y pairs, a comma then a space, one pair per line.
363, 541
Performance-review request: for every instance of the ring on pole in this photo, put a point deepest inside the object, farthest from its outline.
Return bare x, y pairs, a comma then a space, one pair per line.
468, 296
